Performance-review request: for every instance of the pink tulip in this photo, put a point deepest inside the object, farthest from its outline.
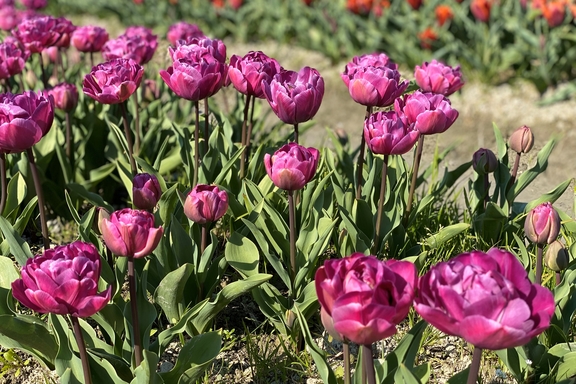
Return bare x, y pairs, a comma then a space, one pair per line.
114, 81
64, 281
205, 204
486, 299
542, 224
183, 31
198, 47
9, 17
134, 48
437, 77
89, 38
37, 33
292, 166
130, 232
365, 297
65, 96
522, 140
376, 60
430, 113
34, 4
246, 73
386, 133
12, 60
146, 191
24, 120
64, 28
295, 97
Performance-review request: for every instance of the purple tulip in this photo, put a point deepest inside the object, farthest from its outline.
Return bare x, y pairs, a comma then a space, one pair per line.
89, 38
183, 31
37, 33
64, 281
6, 3
65, 96
12, 60
295, 97
376, 60
135, 48
130, 232
484, 161
542, 224
205, 204
9, 17
522, 140
34, 4
64, 28
24, 120
486, 299
373, 82
146, 191
246, 73
439, 78
430, 113
190, 48
386, 133
365, 297
292, 166
114, 81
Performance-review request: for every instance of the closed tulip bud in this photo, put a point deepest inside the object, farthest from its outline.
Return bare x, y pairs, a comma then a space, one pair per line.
522, 140
12, 60
481, 9
114, 81
65, 96
542, 224
205, 204
146, 191
437, 77
292, 166
484, 161
556, 256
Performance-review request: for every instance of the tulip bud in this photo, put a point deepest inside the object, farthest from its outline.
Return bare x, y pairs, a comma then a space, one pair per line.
484, 161
292, 166
542, 224
65, 96
556, 256
522, 140
205, 204
146, 191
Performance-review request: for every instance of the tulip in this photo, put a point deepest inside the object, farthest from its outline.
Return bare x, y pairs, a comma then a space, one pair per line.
65, 96
64, 281
376, 59
292, 166
415, 4
130, 232
486, 299
430, 113
9, 17
386, 133
183, 31
554, 12
135, 48
556, 257
195, 47
484, 161
542, 224
89, 38
64, 28
438, 78
246, 73
521, 140
146, 191
481, 9
365, 297
12, 60
374, 86
114, 81
206, 204
34, 4
427, 37
443, 14
37, 33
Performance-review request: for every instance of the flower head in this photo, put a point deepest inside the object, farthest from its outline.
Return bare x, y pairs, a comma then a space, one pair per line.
430, 113
65, 96
246, 73
146, 191
386, 133
206, 204
437, 77
89, 38
114, 81
542, 224
292, 166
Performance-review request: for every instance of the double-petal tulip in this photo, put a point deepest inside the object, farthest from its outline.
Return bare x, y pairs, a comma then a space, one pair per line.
205, 204
542, 224
486, 299
430, 113
247, 73
292, 166
146, 191
114, 81
135, 48
437, 77
295, 97
12, 60
130, 232
376, 59
64, 28
64, 281
374, 86
37, 33
387, 133
183, 31
9, 17
186, 49
365, 297
24, 120
65, 96
89, 38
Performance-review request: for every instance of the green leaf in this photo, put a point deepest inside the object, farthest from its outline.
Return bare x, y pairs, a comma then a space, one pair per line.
18, 247
442, 236
90, 197
9, 272
567, 366
30, 334
170, 292
551, 196
24, 216
241, 253
404, 375
146, 371
15, 194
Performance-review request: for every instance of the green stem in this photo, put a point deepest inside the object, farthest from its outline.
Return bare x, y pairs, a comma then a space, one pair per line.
368, 364
346, 351
415, 167
69, 144
134, 308
296, 133
128, 135
44, 80
3, 181
196, 146
137, 128
82, 349
380, 205
243, 139
291, 218
360, 166
206, 125
250, 127
204, 238
539, 256
40, 194
475, 366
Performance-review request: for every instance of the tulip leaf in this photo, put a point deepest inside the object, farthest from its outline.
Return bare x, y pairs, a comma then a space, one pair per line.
404, 375
567, 366
242, 254
18, 247
438, 239
121, 144
170, 292
24, 216
125, 175
9, 272
146, 371
551, 196
71, 208
194, 358
90, 197
460, 378
29, 334
15, 194
182, 246
515, 360
65, 359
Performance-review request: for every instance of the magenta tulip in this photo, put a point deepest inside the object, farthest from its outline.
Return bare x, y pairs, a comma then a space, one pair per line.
146, 191
135, 48
295, 97
542, 224
65, 96
365, 297
292, 166
64, 28
37, 33
130, 232
34, 4
89, 38
199, 46
522, 140
183, 31
430, 113
376, 60
24, 120
64, 281
246, 73
12, 60
439, 78
9, 17
486, 299
386, 133
205, 204
114, 81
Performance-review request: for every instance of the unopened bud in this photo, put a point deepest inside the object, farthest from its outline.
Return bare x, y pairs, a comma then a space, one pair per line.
556, 256
484, 161
522, 140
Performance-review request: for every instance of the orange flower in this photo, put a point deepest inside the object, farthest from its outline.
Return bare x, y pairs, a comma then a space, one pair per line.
554, 13
481, 9
415, 4
359, 7
380, 6
218, 3
235, 4
427, 37
443, 14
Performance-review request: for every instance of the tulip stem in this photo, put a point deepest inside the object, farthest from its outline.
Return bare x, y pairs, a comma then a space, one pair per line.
250, 126
204, 239
69, 143
134, 308
380, 204
558, 278
368, 364
514, 170
291, 218
3, 181
44, 80
196, 146
539, 256
128, 135
475, 366
346, 352
21, 82
415, 167
82, 349
360, 166
137, 129
40, 194
206, 125
243, 139
91, 59
296, 133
